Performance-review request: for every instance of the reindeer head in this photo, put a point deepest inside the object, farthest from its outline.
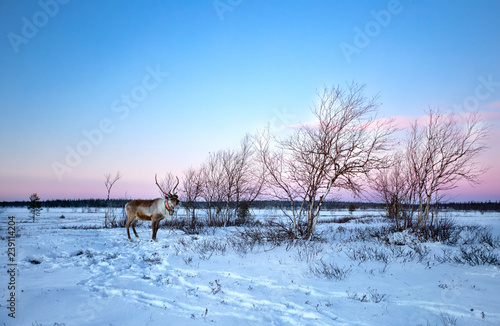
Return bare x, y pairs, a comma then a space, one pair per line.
173, 200
171, 197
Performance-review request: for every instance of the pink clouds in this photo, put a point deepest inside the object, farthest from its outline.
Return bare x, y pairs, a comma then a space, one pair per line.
490, 116
493, 105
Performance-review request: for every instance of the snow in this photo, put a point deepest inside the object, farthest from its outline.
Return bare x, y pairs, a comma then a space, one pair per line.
77, 276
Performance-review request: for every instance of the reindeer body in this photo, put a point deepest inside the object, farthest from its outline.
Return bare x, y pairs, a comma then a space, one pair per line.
148, 210
151, 210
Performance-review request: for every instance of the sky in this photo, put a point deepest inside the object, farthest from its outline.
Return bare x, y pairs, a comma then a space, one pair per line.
89, 88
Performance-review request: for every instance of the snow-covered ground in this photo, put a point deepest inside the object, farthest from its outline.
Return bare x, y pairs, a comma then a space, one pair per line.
69, 275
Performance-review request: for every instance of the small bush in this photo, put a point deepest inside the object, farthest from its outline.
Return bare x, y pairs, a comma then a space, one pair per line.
375, 297
274, 234
372, 296
308, 251
421, 251
365, 253
477, 255
448, 320
330, 271
215, 286
206, 248
444, 230
477, 234
240, 245
117, 223
153, 259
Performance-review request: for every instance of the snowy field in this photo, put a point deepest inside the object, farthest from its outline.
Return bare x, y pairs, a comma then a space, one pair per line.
70, 274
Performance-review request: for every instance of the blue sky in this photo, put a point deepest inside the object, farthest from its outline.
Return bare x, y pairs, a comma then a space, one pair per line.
145, 87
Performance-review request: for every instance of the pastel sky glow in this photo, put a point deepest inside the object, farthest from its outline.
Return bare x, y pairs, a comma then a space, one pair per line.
143, 87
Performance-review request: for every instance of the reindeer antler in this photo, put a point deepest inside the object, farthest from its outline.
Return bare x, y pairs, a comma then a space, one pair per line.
173, 190
161, 189
166, 194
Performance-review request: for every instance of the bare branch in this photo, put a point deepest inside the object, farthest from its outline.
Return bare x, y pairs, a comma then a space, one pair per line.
110, 182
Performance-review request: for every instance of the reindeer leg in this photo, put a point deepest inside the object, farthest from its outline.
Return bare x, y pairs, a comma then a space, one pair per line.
128, 231
133, 228
157, 227
157, 220
154, 227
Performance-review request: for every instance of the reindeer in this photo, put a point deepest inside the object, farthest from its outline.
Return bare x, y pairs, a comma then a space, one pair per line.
152, 210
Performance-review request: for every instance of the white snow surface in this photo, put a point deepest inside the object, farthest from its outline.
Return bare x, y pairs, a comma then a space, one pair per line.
75, 276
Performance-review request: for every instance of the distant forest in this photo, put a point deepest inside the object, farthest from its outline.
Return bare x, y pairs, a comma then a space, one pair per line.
262, 204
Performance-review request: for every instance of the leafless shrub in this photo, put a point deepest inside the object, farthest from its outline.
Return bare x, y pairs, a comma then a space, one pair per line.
478, 234
365, 234
115, 221
273, 235
448, 320
183, 244
240, 245
188, 260
215, 286
358, 297
365, 253
443, 230
477, 255
375, 297
420, 250
372, 296
329, 270
204, 248
308, 251
208, 247
381, 234
153, 259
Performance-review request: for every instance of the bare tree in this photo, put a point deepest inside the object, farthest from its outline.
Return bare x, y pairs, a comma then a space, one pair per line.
343, 146
192, 189
435, 155
109, 184
396, 188
278, 176
249, 176
213, 186
229, 177
230, 170
443, 152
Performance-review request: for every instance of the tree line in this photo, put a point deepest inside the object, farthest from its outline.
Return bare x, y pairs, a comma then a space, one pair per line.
480, 206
